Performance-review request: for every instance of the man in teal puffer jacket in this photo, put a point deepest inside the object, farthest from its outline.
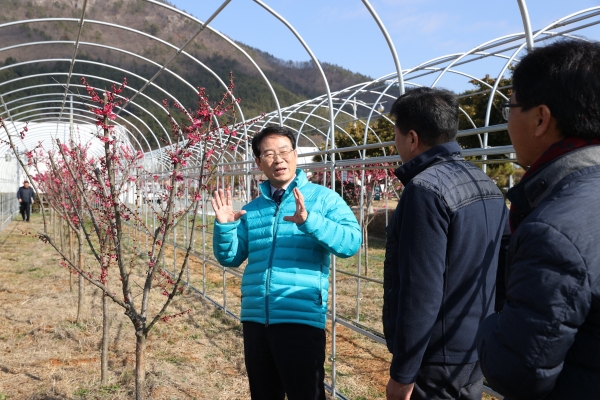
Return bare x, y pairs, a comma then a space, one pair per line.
287, 234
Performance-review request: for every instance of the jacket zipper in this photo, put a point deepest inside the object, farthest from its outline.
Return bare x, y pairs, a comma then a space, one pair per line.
271, 265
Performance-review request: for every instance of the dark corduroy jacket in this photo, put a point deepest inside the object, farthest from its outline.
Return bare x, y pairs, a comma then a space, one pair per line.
546, 342
441, 259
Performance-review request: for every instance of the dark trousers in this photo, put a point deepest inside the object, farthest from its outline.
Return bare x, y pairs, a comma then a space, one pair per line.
285, 359
25, 210
437, 382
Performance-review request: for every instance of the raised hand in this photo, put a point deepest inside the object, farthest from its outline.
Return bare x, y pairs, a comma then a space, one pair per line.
221, 203
301, 214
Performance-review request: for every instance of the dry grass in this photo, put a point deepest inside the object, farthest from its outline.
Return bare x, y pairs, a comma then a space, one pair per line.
46, 355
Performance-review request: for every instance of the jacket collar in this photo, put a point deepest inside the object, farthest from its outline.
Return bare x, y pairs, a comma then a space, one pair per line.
300, 180
448, 151
534, 188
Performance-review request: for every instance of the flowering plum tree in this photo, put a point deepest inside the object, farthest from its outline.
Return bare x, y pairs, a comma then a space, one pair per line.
96, 201
64, 198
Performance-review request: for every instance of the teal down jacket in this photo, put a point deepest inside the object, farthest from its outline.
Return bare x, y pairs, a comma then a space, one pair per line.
286, 278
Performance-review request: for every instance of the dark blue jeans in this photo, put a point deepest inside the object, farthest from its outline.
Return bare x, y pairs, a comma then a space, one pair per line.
285, 359
438, 381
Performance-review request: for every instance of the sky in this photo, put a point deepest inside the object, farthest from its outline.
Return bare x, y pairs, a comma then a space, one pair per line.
342, 32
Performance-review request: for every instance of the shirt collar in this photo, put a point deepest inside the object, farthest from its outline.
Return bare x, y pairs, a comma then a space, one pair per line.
284, 187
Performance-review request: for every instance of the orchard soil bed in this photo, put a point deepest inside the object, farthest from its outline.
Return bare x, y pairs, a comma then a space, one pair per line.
45, 354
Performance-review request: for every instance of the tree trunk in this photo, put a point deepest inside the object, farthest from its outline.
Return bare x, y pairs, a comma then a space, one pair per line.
60, 233
71, 244
79, 298
80, 277
104, 351
53, 222
71, 254
140, 366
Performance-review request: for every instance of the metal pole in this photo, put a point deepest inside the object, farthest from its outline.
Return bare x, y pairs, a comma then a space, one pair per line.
387, 204
175, 248
484, 157
71, 122
391, 46
224, 290
204, 222
17, 164
187, 222
360, 249
526, 24
511, 179
333, 266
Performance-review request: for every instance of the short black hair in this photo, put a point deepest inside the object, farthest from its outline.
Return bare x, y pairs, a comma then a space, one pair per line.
270, 131
564, 76
431, 112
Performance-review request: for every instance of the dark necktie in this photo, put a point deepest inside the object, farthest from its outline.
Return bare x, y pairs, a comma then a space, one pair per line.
277, 195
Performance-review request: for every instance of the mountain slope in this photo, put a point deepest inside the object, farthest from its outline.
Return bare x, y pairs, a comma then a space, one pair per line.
293, 82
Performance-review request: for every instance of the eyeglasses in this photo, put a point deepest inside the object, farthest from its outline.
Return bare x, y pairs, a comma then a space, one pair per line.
270, 155
506, 108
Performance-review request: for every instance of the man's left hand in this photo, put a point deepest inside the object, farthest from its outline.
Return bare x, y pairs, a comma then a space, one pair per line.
301, 214
398, 391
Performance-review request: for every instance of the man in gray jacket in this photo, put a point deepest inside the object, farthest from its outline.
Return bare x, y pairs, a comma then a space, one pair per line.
26, 197
545, 344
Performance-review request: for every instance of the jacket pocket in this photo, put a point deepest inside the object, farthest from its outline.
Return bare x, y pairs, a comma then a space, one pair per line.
319, 300
318, 297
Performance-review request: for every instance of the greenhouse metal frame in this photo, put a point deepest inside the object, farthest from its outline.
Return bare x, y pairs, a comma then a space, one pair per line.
63, 113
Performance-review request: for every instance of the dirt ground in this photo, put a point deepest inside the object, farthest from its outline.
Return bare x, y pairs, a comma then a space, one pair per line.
45, 354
